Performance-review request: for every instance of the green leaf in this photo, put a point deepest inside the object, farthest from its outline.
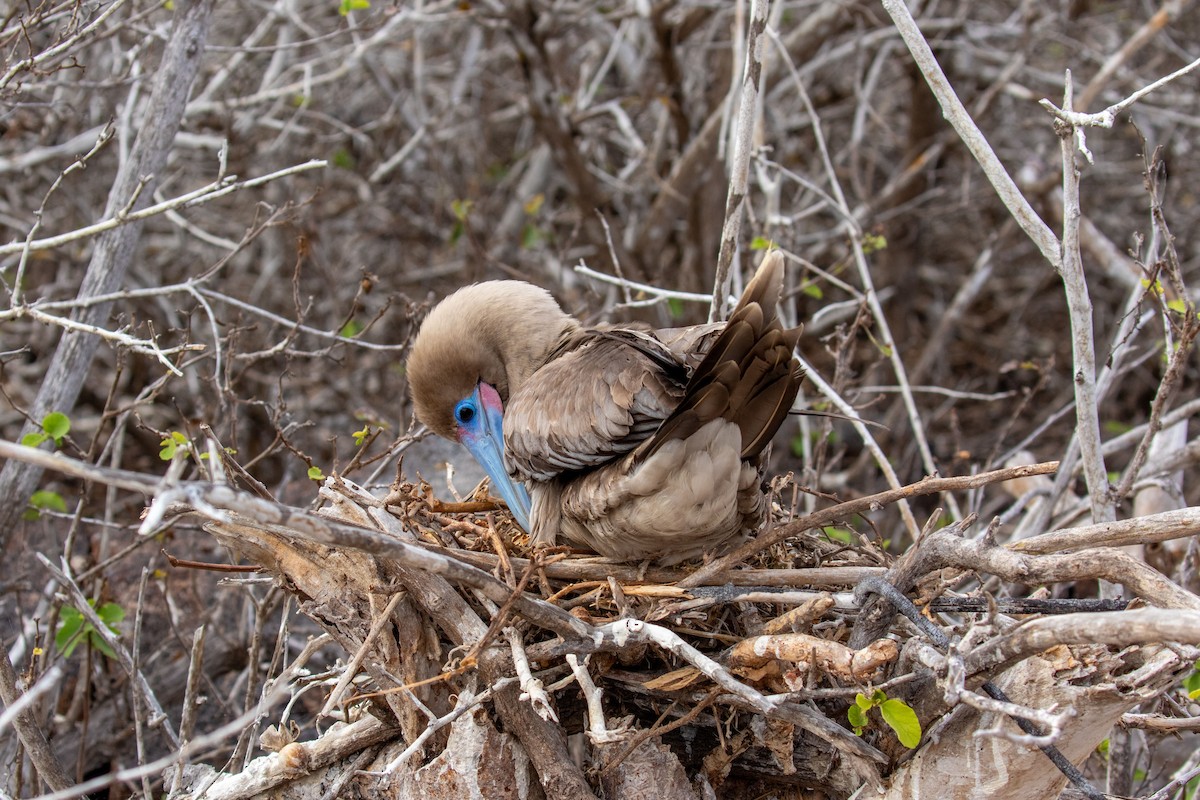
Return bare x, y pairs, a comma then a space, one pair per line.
1102, 748
44, 500
675, 307
174, 441
33, 438
761, 243
353, 5
836, 534
314, 473
111, 614
1192, 682
97, 641
56, 425
361, 435
813, 291
461, 208
863, 702
531, 237
903, 720
873, 242
1178, 305
70, 630
351, 329
342, 159
73, 628
857, 717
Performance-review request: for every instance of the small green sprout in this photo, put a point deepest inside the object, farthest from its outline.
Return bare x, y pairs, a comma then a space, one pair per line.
55, 425
74, 628
44, 500
898, 715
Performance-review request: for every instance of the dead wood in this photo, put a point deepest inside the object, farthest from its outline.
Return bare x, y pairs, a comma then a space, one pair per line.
1079, 673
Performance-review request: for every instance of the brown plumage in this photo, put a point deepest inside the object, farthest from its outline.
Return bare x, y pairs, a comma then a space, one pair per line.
636, 444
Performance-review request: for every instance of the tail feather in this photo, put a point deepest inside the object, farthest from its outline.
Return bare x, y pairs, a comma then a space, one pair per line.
749, 375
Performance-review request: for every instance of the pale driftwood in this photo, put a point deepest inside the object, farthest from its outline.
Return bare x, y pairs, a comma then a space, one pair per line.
958, 765
293, 762
1161, 527
947, 550
812, 652
348, 561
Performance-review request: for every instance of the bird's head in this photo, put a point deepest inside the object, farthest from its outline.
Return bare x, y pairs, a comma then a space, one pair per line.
473, 352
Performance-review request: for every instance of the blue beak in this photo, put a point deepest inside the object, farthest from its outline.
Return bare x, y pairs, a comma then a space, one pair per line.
480, 418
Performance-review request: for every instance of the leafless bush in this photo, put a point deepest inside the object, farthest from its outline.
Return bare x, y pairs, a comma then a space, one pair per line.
222, 223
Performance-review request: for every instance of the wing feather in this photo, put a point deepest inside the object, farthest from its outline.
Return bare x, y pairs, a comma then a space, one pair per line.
596, 398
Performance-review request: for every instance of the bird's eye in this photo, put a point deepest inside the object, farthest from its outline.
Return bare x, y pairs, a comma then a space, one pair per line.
464, 412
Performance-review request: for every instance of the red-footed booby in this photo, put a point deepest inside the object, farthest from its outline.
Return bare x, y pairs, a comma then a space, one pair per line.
637, 444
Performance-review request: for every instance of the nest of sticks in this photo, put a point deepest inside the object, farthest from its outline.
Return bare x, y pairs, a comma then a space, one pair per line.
475, 665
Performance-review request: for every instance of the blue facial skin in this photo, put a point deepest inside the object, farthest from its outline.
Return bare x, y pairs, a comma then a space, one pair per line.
480, 420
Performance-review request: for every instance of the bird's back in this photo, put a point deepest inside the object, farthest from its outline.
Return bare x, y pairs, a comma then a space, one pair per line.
647, 444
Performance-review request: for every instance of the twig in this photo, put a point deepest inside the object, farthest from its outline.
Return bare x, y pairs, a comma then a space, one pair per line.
1106, 118
225, 505
597, 729
1160, 527
79, 163
114, 251
896, 599
1167, 13
61, 47
656, 294
190, 703
18, 712
1083, 347
958, 116
940, 550
137, 678
279, 687
122, 479
351, 669
861, 505
197, 197
854, 234
740, 166
639, 738
869, 441
466, 701
531, 688
1115, 628
144, 346
1050, 723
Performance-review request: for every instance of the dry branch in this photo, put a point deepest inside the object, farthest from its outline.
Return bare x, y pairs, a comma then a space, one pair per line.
475, 141
851, 507
114, 251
